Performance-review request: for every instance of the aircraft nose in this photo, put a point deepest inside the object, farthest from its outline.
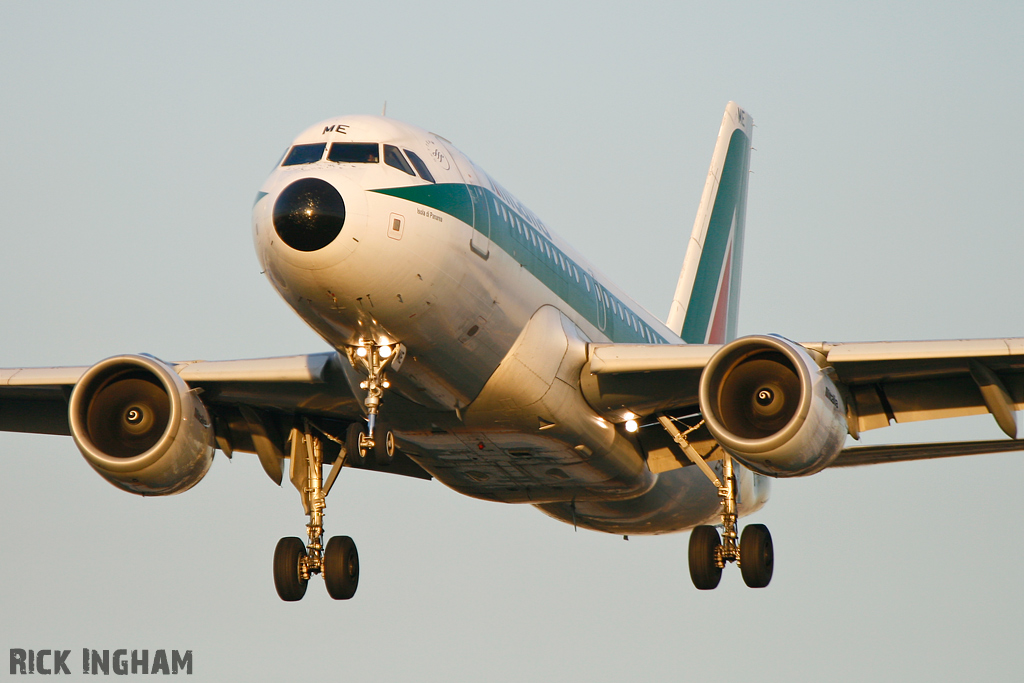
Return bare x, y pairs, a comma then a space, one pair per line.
309, 214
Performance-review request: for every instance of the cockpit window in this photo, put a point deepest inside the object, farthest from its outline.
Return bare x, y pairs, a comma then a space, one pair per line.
420, 166
355, 152
393, 157
305, 154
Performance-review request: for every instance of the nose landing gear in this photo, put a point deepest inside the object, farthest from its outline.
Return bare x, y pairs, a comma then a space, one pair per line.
709, 552
294, 562
372, 359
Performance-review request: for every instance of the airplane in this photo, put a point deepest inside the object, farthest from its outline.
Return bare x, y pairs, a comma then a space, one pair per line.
470, 344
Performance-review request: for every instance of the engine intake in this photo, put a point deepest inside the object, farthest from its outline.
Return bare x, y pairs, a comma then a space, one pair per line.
139, 425
767, 402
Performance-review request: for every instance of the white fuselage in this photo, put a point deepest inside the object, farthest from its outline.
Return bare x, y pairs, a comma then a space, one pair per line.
457, 270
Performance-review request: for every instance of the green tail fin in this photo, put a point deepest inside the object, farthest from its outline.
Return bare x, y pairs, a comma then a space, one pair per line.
704, 308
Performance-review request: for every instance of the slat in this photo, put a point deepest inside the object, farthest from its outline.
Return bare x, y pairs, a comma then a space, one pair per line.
623, 358
23, 377
307, 368
860, 352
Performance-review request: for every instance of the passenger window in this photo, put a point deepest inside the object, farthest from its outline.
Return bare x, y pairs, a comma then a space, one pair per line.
304, 154
354, 153
420, 166
393, 157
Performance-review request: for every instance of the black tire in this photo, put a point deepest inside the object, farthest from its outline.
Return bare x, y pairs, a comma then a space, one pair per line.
704, 540
341, 567
384, 447
356, 456
757, 556
287, 576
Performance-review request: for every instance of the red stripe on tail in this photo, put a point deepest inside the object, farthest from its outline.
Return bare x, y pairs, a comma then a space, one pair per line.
719, 323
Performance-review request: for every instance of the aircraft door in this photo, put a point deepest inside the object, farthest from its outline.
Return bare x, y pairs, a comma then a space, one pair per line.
480, 236
602, 307
480, 239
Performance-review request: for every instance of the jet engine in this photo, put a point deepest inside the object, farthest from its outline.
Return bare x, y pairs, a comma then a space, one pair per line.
767, 402
139, 425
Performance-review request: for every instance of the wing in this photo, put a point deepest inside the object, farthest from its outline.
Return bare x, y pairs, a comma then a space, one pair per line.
880, 383
253, 403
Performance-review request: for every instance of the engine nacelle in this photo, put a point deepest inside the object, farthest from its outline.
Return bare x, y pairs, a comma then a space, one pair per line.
140, 426
767, 402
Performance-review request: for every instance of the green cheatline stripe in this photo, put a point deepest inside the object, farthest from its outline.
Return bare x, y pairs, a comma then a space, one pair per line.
452, 198
475, 206
712, 259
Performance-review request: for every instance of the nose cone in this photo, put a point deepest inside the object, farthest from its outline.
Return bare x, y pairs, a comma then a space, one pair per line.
309, 214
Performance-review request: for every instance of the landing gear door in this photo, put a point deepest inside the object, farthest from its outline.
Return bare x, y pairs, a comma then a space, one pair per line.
480, 235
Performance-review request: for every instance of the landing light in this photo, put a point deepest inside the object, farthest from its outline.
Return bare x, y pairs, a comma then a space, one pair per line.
385, 351
361, 352
631, 426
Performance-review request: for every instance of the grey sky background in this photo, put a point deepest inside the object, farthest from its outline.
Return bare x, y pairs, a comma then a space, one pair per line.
885, 203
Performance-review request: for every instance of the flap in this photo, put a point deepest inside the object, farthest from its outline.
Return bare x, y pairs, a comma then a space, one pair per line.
874, 455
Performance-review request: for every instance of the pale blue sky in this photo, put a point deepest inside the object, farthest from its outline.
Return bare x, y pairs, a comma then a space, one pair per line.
885, 204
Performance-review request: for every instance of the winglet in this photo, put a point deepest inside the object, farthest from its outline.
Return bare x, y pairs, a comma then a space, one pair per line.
707, 296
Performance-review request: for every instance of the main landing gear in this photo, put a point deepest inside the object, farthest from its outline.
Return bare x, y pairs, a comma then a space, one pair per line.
709, 552
295, 562
338, 561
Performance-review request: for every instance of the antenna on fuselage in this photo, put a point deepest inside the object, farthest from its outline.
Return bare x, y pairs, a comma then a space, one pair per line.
384, 111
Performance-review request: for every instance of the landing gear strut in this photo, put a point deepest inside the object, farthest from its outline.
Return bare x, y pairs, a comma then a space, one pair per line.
294, 562
709, 552
372, 359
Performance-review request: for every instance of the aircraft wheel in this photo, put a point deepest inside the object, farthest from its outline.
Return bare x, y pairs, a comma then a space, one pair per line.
384, 448
341, 567
287, 572
757, 555
356, 455
704, 540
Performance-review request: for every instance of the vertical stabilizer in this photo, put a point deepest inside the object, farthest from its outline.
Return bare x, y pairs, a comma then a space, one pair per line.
707, 295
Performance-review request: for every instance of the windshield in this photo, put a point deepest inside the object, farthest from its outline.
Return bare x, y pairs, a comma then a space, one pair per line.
304, 154
355, 152
393, 157
420, 166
